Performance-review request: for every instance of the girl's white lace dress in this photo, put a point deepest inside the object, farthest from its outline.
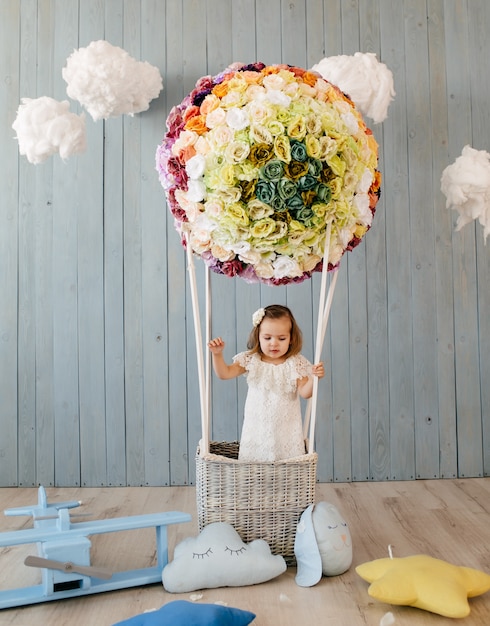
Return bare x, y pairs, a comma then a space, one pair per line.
272, 426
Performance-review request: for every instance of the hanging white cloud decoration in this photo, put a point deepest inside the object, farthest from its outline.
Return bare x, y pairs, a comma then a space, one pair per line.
466, 185
108, 82
45, 126
364, 79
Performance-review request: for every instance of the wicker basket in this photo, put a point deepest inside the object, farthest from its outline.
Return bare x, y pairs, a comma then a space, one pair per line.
260, 500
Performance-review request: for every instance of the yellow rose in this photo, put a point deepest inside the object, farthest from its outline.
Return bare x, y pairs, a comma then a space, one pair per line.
246, 171
238, 214
275, 127
360, 231
226, 175
313, 124
283, 115
236, 151
258, 210
263, 228
313, 147
337, 165
260, 134
282, 148
296, 128
237, 83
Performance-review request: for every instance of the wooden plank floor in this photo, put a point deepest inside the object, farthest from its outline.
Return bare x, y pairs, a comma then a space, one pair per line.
448, 519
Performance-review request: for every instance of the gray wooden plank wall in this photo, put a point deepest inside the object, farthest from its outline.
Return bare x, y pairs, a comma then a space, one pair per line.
98, 378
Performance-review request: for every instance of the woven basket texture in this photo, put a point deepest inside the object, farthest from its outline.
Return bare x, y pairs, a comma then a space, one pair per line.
260, 500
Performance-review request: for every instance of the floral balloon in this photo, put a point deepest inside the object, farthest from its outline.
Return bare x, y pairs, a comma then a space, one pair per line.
258, 161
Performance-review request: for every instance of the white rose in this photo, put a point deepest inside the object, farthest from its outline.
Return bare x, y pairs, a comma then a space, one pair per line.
255, 93
365, 181
237, 151
196, 191
237, 119
274, 96
350, 120
202, 145
274, 81
285, 267
264, 270
361, 204
221, 136
195, 166
215, 118
258, 112
251, 256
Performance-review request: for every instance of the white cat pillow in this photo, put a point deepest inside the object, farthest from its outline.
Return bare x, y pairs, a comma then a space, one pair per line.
322, 544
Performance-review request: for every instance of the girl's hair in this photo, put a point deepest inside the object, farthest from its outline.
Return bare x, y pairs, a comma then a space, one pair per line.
274, 312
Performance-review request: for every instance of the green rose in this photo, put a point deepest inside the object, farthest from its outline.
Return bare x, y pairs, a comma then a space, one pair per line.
272, 170
307, 182
323, 192
295, 202
286, 188
315, 167
304, 215
278, 204
298, 151
265, 191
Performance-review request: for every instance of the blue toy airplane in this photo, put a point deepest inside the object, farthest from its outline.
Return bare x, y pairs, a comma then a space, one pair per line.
63, 552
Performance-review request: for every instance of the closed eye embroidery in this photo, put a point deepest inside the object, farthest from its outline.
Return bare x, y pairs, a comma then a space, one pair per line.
239, 551
197, 555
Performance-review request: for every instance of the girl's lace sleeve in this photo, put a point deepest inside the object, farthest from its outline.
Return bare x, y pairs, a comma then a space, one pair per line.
243, 359
303, 366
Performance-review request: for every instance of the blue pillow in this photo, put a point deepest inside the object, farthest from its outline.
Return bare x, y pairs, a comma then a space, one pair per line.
183, 613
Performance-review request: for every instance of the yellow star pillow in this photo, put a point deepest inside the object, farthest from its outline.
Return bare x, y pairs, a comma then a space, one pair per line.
424, 582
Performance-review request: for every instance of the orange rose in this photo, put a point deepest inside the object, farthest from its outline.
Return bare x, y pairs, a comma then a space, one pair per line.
197, 124
186, 153
310, 78
251, 78
272, 69
297, 71
210, 103
190, 112
221, 89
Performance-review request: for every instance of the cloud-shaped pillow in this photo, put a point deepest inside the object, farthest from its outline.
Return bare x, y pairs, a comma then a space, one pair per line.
218, 557
183, 613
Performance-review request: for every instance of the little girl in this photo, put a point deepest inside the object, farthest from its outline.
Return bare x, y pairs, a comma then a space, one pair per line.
277, 375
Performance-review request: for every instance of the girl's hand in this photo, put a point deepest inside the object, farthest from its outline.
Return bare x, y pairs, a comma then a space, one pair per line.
216, 346
318, 370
